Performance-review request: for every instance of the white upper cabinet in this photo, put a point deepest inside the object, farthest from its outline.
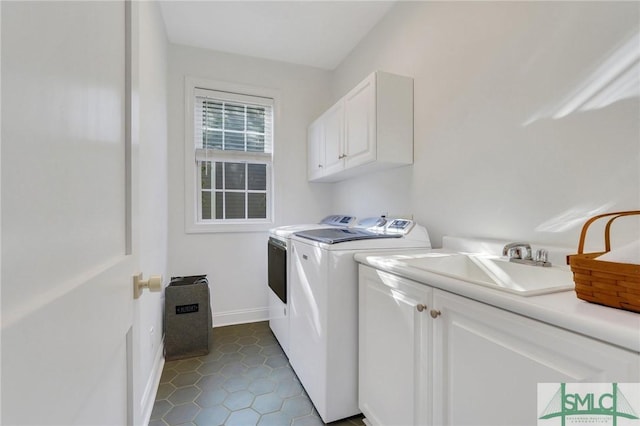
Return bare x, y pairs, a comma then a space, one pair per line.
315, 155
369, 129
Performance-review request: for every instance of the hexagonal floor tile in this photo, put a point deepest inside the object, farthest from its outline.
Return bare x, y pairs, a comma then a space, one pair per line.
229, 347
160, 408
283, 374
297, 406
239, 400
267, 403
258, 371
275, 419
275, 361
233, 369
271, 350
252, 360
237, 383
211, 398
231, 357
214, 416
188, 365
210, 382
182, 395
210, 367
164, 390
186, 379
262, 386
243, 418
247, 340
289, 389
167, 375
182, 413
251, 349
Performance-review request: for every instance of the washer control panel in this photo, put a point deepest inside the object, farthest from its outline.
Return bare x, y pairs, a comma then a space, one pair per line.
339, 220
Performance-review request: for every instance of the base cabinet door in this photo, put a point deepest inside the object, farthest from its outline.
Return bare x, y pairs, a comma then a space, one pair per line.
393, 353
488, 362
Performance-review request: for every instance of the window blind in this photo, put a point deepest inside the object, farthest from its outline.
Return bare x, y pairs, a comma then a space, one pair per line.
228, 124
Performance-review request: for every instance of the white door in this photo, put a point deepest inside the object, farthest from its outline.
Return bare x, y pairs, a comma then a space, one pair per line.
68, 249
394, 344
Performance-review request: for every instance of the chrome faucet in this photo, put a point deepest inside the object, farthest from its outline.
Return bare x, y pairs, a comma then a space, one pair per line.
517, 251
521, 253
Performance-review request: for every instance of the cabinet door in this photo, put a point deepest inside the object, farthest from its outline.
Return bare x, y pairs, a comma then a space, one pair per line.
360, 124
333, 121
315, 147
488, 362
393, 349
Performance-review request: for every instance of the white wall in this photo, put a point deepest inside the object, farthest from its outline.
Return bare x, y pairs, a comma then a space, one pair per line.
153, 203
235, 263
489, 158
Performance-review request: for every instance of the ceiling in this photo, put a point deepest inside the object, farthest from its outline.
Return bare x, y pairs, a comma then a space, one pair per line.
305, 32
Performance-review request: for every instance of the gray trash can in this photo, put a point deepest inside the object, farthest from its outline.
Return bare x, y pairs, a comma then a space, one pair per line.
187, 317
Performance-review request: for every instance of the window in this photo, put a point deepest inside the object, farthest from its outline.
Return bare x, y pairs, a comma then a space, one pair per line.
231, 148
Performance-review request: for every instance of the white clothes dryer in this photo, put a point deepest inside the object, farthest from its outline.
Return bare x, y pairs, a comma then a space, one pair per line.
278, 255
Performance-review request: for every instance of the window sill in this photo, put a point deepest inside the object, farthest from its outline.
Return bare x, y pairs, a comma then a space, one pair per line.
212, 228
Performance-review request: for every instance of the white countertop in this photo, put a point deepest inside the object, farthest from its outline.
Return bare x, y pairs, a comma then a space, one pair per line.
562, 309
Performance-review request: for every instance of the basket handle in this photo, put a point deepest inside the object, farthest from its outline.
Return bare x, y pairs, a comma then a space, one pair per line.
607, 243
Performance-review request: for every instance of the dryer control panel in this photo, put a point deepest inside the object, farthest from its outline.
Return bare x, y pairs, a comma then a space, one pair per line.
399, 226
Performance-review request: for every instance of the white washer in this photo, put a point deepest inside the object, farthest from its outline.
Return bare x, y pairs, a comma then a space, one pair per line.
279, 267
323, 340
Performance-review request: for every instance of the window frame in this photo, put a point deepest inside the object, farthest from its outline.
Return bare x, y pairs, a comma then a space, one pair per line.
193, 221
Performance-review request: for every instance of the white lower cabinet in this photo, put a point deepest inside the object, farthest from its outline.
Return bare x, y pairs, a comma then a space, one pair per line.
457, 361
393, 351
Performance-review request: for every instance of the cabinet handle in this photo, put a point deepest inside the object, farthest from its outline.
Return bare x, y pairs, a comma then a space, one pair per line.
320, 166
435, 313
420, 307
342, 156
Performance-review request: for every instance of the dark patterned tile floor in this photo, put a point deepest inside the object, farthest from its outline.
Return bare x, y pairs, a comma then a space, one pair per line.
245, 380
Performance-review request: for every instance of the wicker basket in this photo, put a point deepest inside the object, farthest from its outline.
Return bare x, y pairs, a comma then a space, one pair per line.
606, 283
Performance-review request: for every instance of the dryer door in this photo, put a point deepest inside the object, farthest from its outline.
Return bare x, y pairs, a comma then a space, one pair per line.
277, 261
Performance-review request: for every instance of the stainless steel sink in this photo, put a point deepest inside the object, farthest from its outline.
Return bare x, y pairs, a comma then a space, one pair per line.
495, 272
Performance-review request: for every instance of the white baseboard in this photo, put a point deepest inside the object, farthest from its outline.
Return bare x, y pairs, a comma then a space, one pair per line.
241, 316
151, 389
